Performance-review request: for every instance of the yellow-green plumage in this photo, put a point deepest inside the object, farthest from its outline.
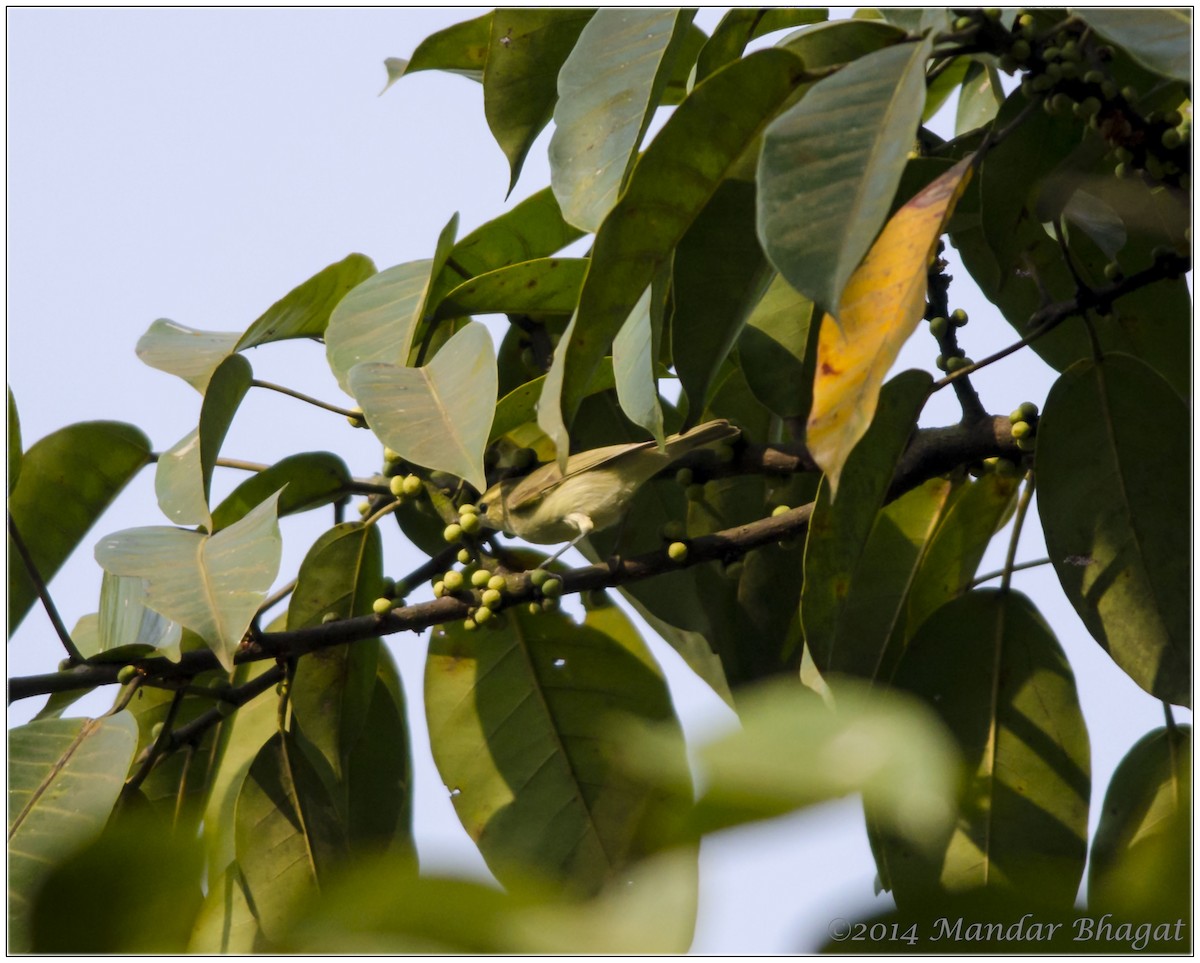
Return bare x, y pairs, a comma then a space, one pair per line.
549, 506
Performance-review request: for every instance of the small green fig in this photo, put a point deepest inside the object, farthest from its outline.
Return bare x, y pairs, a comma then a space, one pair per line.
677, 551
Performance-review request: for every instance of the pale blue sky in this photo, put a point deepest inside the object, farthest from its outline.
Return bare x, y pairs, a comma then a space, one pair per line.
196, 165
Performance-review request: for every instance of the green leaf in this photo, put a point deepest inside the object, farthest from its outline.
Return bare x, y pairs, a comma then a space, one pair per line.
608, 89
379, 774
383, 907
989, 665
526, 50
438, 416
850, 545
650, 909
519, 406
541, 288
14, 443
341, 576
378, 320
135, 890
460, 49
533, 229
67, 480
869, 598
1115, 435
124, 620
841, 41
977, 511
980, 98
225, 923
183, 477
188, 353
288, 833
64, 776
941, 87
1158, 38
792, 751
741, 25
1139, 862
773, 348
678, 174
239, 739
304, 311
540, 694
211, 584
831, 164
719, 273
633, 368
307, 480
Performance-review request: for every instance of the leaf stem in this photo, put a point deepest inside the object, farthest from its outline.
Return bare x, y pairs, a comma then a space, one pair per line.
303, 397
1018, 524
73, 653
1020, 566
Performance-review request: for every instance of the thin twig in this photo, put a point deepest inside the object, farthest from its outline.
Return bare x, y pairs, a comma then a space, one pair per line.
254, 466
73, 653
1051, 316
303, 397
1019, 567
135, 781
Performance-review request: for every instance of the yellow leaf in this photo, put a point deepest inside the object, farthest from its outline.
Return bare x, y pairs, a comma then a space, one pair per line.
881, 305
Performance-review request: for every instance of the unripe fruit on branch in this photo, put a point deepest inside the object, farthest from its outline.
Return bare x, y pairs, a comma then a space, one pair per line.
381, 606
677, 551
453, 581
1026, 411
452, 532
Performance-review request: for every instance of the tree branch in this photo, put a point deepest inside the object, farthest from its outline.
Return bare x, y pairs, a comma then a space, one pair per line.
43, 593
932, 452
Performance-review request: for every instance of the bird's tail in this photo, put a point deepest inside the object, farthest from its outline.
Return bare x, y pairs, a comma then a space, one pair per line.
709, 433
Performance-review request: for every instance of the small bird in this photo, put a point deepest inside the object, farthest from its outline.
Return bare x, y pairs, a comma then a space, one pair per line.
548, 506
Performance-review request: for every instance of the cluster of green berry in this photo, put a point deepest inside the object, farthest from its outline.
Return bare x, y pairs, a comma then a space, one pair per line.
1024, 425
1068, 70
952, 358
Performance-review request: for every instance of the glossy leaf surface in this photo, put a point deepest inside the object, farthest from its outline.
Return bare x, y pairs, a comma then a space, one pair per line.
608, 88
67, 481
304, 311
830, 165
541, 694
678, 174
183, 476
991, 668
64, 775
438, 416
526, 50
1115, 435
211, 584
188, 353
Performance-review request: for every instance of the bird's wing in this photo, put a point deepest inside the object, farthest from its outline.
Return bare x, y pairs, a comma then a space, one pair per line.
533, 486
527, 491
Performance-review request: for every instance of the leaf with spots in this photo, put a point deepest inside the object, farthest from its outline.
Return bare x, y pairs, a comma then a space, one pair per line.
881, 306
